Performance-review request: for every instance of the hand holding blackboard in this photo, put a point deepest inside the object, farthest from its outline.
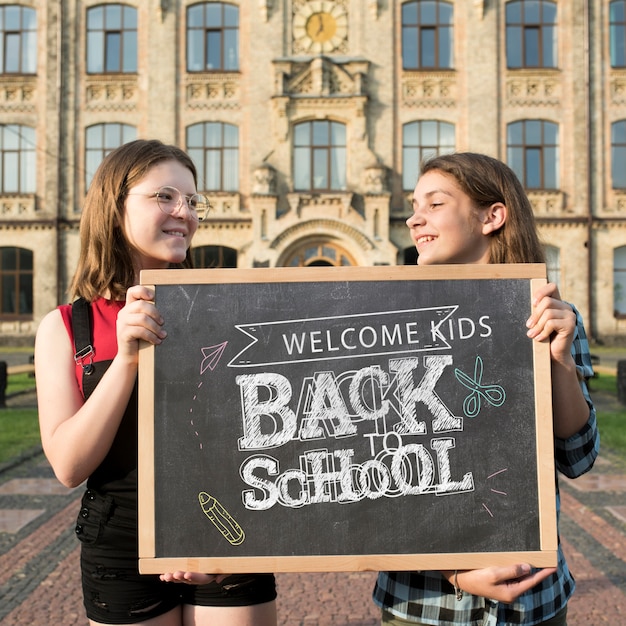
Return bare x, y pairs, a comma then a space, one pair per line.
321, 413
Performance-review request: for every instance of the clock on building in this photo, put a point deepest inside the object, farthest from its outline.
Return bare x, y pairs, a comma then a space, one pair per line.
319, 26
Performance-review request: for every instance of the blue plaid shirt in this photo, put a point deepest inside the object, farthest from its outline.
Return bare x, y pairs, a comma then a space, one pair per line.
429, 598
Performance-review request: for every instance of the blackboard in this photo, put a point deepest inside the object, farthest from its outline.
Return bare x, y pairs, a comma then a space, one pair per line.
337, 419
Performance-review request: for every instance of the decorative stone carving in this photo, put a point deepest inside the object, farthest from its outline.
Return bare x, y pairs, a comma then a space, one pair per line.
547, 203
429, 89
264, 180
17, 207
619, 202
320, 87
618, 87
164, 7
265, 6
321, 76
212, 91
18, 94
223, 204
302, 228
375, 179
534, 89
109, 94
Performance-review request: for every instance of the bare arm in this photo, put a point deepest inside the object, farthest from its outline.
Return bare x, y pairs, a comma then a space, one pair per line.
76, 435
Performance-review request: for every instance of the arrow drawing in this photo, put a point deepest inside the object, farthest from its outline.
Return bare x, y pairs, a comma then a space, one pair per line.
212, 356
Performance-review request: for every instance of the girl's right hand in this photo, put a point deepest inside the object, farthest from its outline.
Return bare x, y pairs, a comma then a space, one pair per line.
192, 578
138, 320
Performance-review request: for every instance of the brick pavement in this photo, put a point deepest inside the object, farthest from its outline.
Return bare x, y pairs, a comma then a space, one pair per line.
39, 574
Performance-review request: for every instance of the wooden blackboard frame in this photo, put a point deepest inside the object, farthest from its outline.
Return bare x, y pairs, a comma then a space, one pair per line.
546, 556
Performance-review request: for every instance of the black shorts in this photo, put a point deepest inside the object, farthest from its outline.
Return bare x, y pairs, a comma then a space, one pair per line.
114, 592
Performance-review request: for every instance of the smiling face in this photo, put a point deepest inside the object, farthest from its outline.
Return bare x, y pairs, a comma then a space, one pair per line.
446, 227
159, 239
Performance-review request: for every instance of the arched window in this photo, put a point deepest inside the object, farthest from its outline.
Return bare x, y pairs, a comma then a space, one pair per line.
427, 35
531, 34
111, 39
18, 40
618, 154
214, 256
619, 281
533, 153
16, 283
214, 148
17, 159
617, 33
212, 37
422, 140
319, 156
100, 139
320, 253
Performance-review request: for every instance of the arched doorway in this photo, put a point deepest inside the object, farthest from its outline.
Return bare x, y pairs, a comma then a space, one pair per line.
318, 254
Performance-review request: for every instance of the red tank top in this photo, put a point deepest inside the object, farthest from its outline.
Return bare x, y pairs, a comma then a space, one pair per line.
117, 474
104, 314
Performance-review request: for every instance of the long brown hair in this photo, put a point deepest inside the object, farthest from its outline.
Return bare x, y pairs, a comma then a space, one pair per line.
487, 180
105, 263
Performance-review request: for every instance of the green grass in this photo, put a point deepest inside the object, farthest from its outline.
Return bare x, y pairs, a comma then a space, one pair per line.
613, 432
19, 432
19, 382
612, 424
19, 428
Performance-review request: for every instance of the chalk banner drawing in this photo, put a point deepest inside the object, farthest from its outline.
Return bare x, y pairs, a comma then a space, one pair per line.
345, 419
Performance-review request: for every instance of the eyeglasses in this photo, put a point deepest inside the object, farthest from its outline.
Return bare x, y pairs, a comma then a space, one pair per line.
170, 200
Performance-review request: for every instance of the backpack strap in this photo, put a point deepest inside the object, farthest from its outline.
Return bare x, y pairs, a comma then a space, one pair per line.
83, 344
81, 327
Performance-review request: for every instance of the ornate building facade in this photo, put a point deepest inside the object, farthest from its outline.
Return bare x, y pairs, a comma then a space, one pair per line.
307, 120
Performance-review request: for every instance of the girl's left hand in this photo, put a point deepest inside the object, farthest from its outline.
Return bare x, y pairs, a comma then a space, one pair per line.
192, 578
504, 584
552, 320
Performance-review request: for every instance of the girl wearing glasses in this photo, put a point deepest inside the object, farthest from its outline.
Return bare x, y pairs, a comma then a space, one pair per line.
141, 212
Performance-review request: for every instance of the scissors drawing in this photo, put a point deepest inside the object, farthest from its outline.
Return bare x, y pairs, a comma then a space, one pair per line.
493, 394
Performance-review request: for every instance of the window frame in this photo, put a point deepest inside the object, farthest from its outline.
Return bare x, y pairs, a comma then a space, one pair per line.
223, 35
209, 155
527, 148
425, 150
24, 40
619, 286
18, 274
330, 156
100, 39
618, 146
320, 253
617, 45
21, 157
212, 256
546, 38
125, 133
413, 34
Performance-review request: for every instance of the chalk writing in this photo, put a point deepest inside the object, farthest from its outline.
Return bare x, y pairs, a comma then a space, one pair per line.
327, 418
